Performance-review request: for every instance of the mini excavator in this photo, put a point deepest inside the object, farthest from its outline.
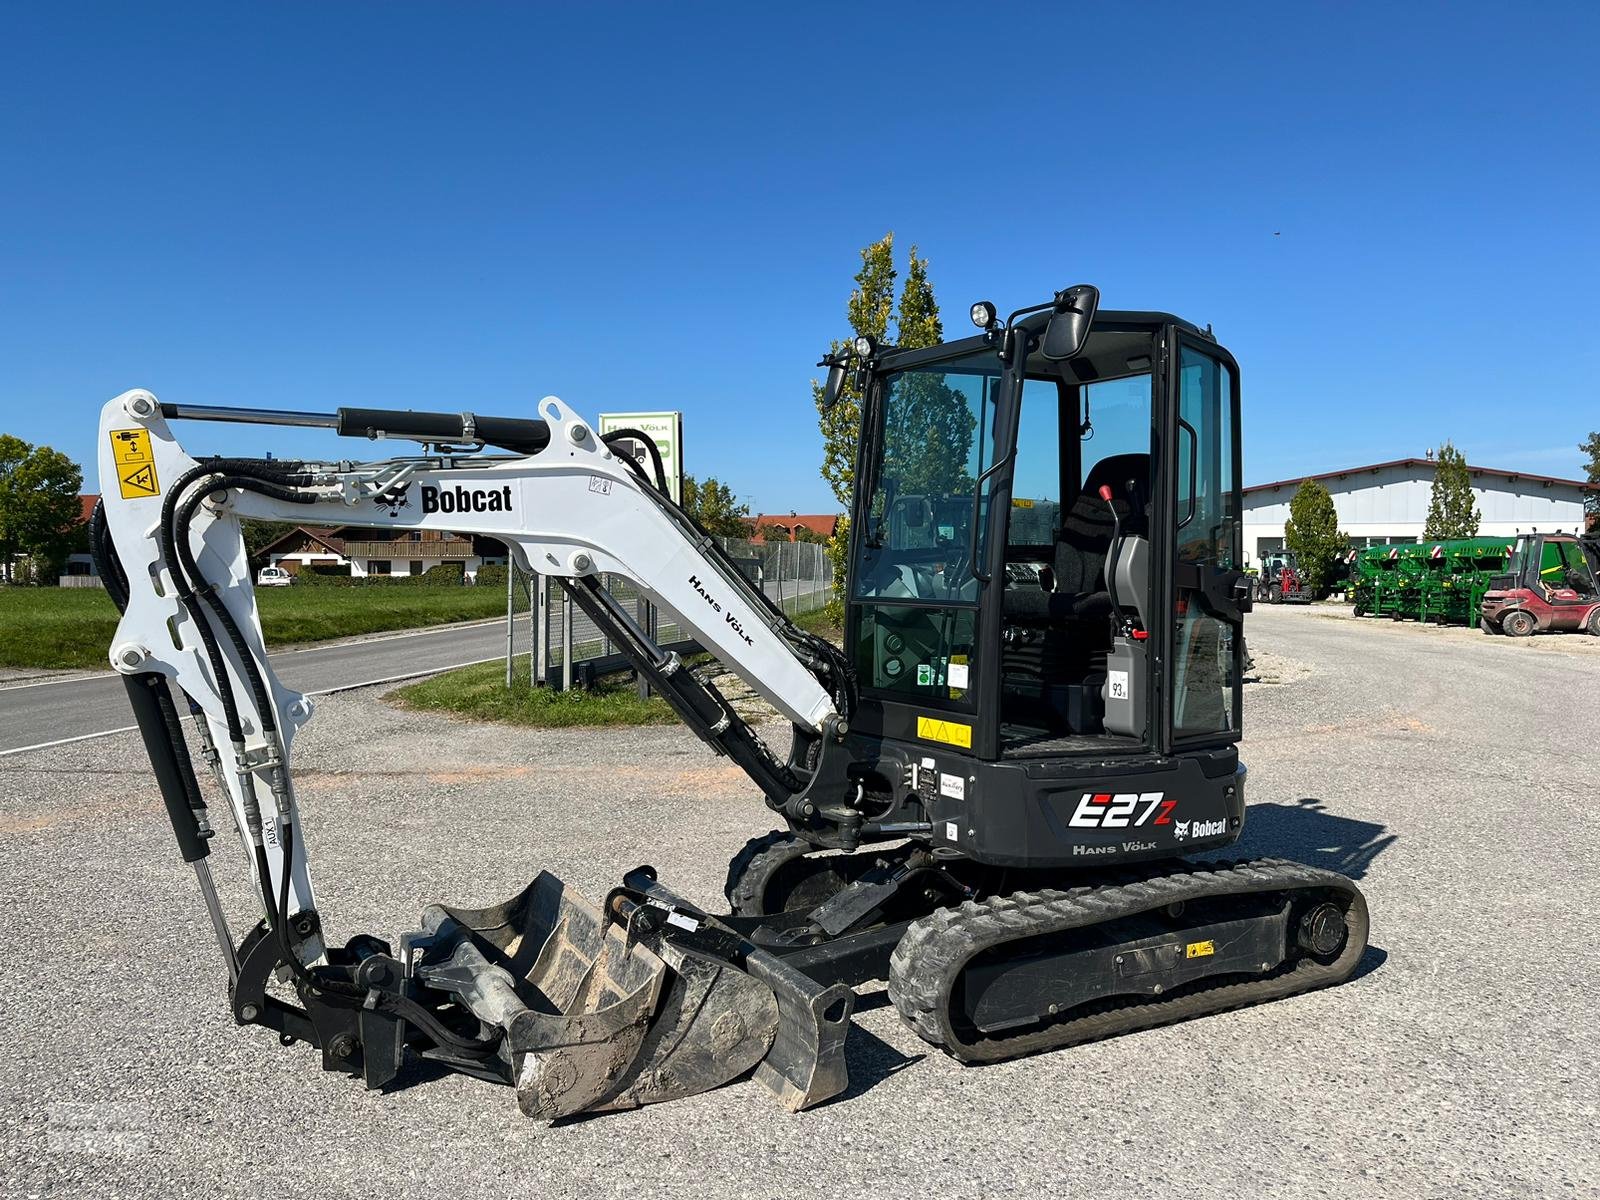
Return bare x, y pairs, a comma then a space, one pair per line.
992, 798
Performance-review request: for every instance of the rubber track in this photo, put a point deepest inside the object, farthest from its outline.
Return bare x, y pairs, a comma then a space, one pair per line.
753, 866
927, 963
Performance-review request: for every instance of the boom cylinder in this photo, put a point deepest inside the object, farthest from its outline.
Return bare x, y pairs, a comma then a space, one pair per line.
520, 435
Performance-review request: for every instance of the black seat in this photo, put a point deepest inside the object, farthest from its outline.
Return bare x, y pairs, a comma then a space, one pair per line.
1084, 541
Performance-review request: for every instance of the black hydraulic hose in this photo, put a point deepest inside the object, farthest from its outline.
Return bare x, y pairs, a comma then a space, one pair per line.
106, 562
649, 443
190, 601
840, 675
208, 591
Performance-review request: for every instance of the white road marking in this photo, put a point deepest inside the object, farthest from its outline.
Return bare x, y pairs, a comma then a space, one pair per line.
343, 687
22, 687
82, 737
338, 645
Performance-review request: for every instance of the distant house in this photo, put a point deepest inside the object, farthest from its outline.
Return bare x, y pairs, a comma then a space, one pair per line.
821, 524
343, 550
360, 552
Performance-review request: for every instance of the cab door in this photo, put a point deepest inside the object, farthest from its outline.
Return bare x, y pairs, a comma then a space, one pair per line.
1208, 590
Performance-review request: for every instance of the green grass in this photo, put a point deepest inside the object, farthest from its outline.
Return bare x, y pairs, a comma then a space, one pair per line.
821, 623
73, 627
480, 693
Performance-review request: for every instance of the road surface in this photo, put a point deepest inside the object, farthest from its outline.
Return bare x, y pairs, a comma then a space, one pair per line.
57, 711
1450, 775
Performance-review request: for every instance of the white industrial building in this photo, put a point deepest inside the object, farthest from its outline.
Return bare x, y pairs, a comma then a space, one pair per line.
1388, 502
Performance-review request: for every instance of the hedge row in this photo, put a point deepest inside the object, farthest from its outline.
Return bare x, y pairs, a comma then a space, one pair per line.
442, 575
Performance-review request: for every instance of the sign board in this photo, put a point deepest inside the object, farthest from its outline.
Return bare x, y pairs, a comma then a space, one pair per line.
665, 429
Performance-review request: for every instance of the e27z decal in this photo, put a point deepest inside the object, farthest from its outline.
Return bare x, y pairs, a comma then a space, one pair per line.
1122, 810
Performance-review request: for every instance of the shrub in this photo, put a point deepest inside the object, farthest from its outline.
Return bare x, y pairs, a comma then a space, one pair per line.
439, 575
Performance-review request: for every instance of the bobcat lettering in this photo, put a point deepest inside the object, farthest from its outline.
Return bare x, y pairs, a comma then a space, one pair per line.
464, 500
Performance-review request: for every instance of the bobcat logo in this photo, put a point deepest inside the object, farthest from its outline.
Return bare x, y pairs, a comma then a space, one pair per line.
1180, 829
394, 499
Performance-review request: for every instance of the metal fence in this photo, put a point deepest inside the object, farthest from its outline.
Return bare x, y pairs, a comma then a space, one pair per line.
797, 576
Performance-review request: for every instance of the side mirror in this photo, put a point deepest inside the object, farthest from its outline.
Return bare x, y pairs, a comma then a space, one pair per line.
1068, 328
833, 386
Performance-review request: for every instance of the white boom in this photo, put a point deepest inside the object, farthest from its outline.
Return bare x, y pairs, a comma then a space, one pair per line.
572, 510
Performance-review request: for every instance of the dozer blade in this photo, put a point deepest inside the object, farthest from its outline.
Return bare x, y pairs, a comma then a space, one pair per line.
806, 1064
599, 1014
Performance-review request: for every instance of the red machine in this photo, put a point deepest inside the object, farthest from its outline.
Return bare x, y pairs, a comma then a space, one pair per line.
1549, 588
1280, 581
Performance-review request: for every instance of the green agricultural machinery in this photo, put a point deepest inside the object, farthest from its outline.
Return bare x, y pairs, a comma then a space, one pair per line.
1442, 582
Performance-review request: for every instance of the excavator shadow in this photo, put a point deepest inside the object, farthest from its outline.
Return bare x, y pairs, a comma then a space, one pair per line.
1307, 832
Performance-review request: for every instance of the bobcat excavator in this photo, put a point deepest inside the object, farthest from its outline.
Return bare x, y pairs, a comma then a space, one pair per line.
989, 798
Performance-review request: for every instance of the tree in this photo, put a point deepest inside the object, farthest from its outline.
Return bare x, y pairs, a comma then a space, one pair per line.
712, 504
804, 533
1592, 449
1312, 532
773, 532
1452, 511
39, 509
870, 310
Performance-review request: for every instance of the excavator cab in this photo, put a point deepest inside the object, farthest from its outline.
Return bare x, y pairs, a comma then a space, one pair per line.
1045, 576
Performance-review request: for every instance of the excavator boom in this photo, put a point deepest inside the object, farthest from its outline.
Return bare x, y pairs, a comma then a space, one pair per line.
578, 1006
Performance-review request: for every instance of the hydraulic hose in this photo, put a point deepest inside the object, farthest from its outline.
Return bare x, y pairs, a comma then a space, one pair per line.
649, 443
207, 591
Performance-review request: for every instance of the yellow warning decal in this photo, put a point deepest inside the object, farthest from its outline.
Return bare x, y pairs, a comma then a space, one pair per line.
1199, 949
136, 463
951, 733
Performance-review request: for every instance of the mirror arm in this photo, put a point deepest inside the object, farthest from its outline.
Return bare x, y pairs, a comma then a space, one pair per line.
1007, 334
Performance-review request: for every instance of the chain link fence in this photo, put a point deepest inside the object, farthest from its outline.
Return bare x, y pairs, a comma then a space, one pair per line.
796, 576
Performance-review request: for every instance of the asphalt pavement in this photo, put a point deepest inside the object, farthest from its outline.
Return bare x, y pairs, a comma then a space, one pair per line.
49, 712
1451, 775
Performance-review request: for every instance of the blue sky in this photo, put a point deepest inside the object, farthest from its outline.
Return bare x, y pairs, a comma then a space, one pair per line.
1390, 213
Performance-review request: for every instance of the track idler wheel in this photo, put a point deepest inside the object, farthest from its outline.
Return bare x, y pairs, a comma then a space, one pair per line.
1322, 930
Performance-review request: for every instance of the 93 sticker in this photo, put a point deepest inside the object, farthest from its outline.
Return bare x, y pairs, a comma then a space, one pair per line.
1122, 810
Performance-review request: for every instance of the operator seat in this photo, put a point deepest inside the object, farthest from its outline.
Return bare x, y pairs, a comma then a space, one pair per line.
1084, 541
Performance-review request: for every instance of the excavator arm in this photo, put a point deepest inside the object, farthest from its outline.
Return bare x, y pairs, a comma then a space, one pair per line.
579, 1007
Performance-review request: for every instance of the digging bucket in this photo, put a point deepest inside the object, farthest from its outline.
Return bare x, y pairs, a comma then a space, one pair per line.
611, 1009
